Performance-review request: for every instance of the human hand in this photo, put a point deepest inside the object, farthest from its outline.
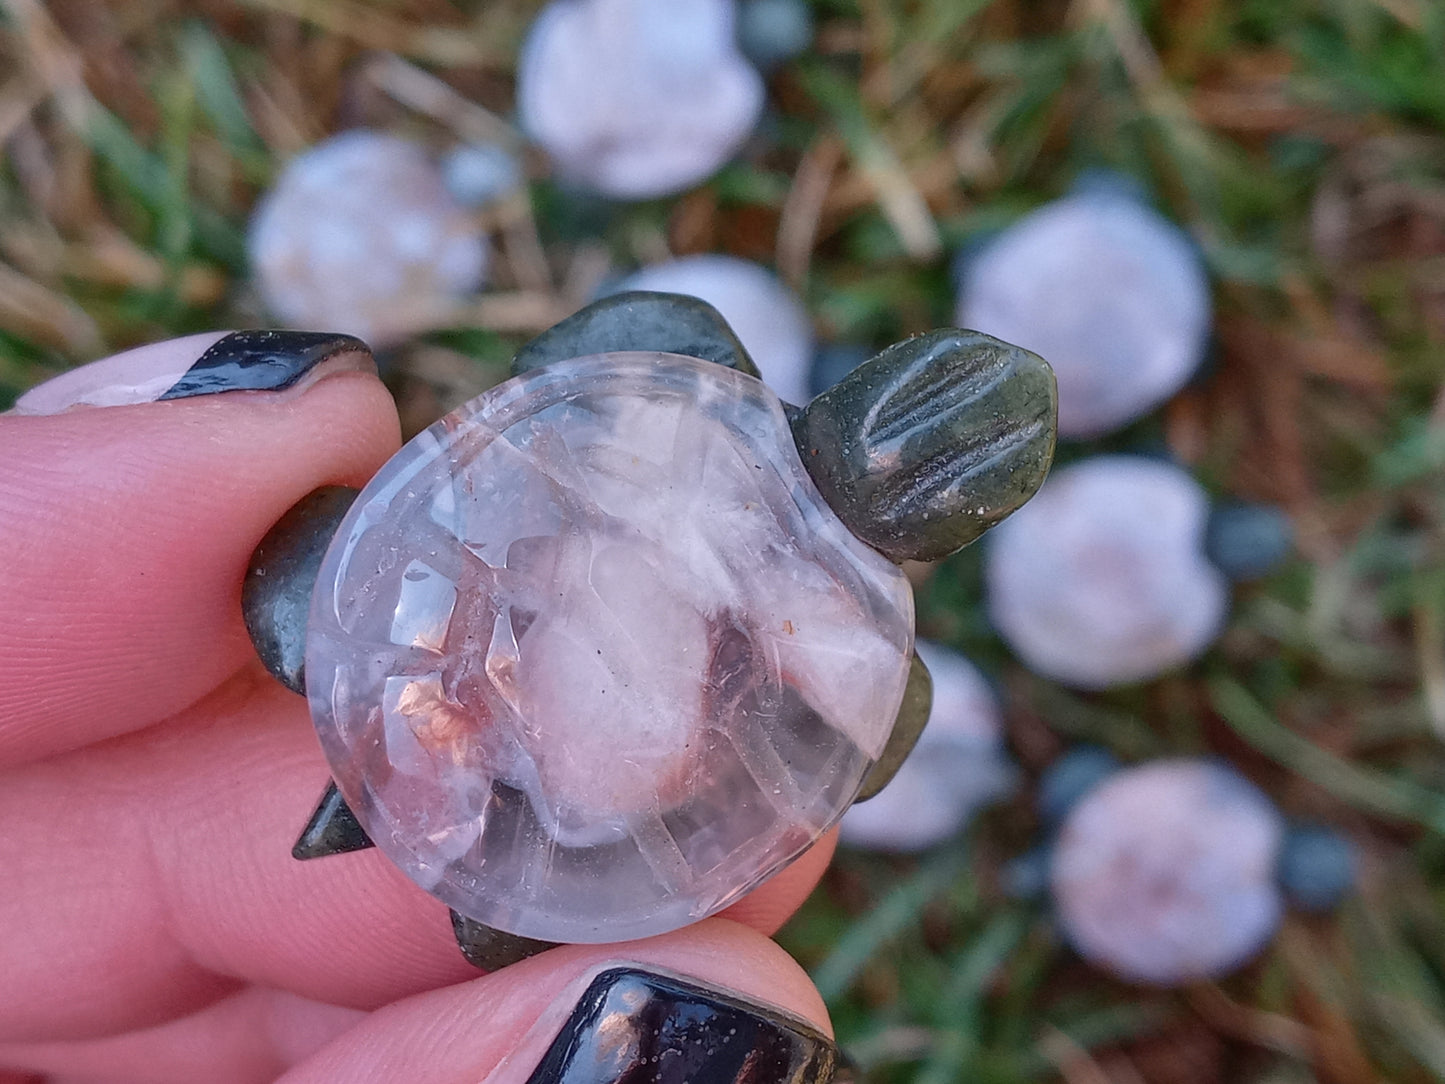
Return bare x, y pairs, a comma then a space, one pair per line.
153, 777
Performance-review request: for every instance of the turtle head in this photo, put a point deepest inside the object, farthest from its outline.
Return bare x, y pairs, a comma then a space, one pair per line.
919, 451
926, 446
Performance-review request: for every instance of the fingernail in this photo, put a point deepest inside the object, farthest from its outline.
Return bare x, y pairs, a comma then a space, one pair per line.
201, 365
638, 1025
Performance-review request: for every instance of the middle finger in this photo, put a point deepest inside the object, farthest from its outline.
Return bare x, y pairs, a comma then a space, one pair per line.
154, 874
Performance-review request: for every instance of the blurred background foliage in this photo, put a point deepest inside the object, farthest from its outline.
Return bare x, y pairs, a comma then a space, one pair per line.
1301, 142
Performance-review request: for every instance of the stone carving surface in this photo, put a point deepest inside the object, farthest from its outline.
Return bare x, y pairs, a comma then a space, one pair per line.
959, 766
636, 98
359, 234
1111, 292
1102, 580
1165, 872
590, 658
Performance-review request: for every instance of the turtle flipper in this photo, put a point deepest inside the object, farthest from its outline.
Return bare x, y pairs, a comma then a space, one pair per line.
490, 949
926, 446
332, 829
907, 729
276, 594
639, 320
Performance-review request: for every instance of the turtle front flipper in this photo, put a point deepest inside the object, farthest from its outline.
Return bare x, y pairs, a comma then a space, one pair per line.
639, 320
276, 594
926, 446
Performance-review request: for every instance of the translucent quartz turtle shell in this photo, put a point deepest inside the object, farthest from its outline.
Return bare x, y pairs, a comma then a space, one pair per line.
591, 658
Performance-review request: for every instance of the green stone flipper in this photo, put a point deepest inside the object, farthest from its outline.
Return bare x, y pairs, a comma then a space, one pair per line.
332, 829
639, 320
922, 449
490, 949
907, 729
276, 594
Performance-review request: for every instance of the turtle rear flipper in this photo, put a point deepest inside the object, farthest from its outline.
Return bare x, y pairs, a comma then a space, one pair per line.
926, 446
639, 320
907, 729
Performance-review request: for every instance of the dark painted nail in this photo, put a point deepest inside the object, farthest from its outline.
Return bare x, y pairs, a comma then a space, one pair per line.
200, 365
262, 361
276, 594
332, 829
490, 949
636, 1026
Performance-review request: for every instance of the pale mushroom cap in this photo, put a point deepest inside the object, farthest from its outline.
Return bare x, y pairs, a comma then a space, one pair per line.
360, 235
1101, 579
1164, 873
1110, 292
637, 98
766, 316
958, 766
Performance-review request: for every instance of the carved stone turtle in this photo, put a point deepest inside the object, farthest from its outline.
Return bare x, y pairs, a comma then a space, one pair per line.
612, 644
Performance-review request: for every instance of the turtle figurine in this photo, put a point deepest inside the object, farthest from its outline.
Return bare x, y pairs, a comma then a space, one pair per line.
612, 644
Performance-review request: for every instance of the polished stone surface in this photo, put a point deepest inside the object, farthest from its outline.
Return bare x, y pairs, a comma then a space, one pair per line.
636, 99
490, 949
768, 317
641, 1027
1102, 579
276, 594
1111, 292
1165, 872
669, 323
359, 234
591, 657
926, 446
907, 729
332, 829
958, 766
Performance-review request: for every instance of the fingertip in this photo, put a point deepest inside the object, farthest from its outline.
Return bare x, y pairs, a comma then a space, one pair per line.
130, 528
693, 993
771, 904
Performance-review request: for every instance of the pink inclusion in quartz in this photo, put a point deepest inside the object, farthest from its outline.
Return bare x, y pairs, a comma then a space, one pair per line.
590, 657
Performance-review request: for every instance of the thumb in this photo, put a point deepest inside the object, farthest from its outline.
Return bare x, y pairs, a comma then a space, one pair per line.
716, 1003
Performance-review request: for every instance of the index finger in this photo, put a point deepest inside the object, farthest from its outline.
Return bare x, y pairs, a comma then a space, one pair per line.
127, 528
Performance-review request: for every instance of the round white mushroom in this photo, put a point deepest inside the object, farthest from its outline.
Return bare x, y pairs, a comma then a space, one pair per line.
360, 235
958, 766
1110, 292
637, 98
767, 317
1165, 873
1102, 579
